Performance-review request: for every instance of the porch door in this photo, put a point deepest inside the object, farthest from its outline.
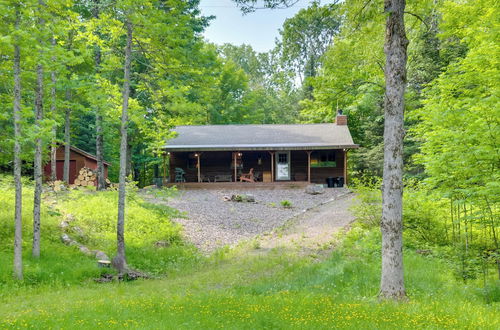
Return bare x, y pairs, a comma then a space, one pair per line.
283, 165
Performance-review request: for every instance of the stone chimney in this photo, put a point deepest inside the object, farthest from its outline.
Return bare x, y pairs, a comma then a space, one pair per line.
341, 118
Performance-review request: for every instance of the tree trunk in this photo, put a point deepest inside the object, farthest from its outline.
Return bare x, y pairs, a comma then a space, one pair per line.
18, 236
37, 168
67, 137
392, 280
99, 141
53, 145
120, 259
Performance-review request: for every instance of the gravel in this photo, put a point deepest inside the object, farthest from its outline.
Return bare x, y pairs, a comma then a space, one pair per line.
211, 222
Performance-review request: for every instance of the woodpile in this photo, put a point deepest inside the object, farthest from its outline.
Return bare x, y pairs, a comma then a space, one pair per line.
58, 185
86, 177
110, 185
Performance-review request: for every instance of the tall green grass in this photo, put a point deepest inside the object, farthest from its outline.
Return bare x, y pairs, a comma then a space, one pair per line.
95, 214
59, 265
278, 290
231, 289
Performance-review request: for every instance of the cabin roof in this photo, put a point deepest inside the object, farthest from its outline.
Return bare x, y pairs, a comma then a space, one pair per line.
261, 137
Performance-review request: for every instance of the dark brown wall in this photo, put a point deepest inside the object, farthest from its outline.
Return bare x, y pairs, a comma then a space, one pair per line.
319, 174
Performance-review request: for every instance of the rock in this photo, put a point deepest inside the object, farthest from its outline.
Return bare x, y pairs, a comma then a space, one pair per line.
85, 250
315, 189
69, 217
226, 198
243, 198
99, 255
66, 239
424, 252
78, 231
105, 278
162, 244
64, 224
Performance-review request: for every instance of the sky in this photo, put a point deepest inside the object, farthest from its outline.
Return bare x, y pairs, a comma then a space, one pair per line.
258, 29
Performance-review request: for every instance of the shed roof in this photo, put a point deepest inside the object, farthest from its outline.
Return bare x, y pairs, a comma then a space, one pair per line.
84, 153
261, 137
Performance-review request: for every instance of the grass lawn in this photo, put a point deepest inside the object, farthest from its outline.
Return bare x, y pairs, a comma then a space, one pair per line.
236, 289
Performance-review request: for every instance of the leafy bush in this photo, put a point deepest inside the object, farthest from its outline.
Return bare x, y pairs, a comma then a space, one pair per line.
286, 204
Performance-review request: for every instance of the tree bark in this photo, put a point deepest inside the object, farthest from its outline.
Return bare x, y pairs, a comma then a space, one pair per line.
67, 137
37, 168
53, 145
18, 236
99, 141
120, 258
392, 279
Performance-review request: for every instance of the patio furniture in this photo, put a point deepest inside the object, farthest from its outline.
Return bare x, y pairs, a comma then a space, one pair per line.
247, 177
205, 178
179, 175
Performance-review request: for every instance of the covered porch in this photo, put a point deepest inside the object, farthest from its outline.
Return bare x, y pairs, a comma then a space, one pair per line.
294, 168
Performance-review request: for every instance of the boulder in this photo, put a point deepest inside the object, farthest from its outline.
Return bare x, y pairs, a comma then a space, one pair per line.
162, 244
85, 250
243, 198
315, 189
78, 231
66, 239
99, 255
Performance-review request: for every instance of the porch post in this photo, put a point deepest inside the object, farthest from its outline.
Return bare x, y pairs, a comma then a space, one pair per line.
199, 167
164, 169
272, 165
235, 170
308, 166
345, 167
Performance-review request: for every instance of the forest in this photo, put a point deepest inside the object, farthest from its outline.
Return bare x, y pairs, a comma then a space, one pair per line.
114, 75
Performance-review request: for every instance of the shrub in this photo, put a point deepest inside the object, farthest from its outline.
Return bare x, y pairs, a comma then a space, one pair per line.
286, 204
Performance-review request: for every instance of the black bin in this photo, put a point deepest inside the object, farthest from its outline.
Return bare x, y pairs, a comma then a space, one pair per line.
340, 181
330, 181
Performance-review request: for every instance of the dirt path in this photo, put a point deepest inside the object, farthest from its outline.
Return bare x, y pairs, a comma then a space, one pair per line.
312, 231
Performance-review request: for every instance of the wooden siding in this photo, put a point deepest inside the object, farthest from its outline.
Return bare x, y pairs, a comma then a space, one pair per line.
77, 161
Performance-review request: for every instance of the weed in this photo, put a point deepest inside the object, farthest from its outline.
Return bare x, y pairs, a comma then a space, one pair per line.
286, 204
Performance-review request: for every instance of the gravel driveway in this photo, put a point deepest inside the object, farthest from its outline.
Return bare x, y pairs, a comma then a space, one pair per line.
211, 222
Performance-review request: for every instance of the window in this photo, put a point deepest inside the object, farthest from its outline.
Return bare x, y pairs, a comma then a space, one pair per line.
283, 158
323, 159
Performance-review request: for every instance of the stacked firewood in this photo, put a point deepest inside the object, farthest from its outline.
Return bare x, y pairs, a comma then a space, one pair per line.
110, 185
58, 185
86, 177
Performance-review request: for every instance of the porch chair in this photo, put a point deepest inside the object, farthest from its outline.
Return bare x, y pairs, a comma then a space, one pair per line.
247, 177
179, 175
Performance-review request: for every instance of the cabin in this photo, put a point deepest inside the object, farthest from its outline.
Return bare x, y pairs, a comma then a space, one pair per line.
78, 159
300, 153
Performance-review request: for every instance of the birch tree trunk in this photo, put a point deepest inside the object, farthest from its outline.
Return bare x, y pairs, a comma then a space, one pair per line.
18, 235
120, 260
67, 137
99, 141
392, 280
37, 168
53, 145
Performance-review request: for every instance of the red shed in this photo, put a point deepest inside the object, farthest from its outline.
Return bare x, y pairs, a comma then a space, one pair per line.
78, 159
